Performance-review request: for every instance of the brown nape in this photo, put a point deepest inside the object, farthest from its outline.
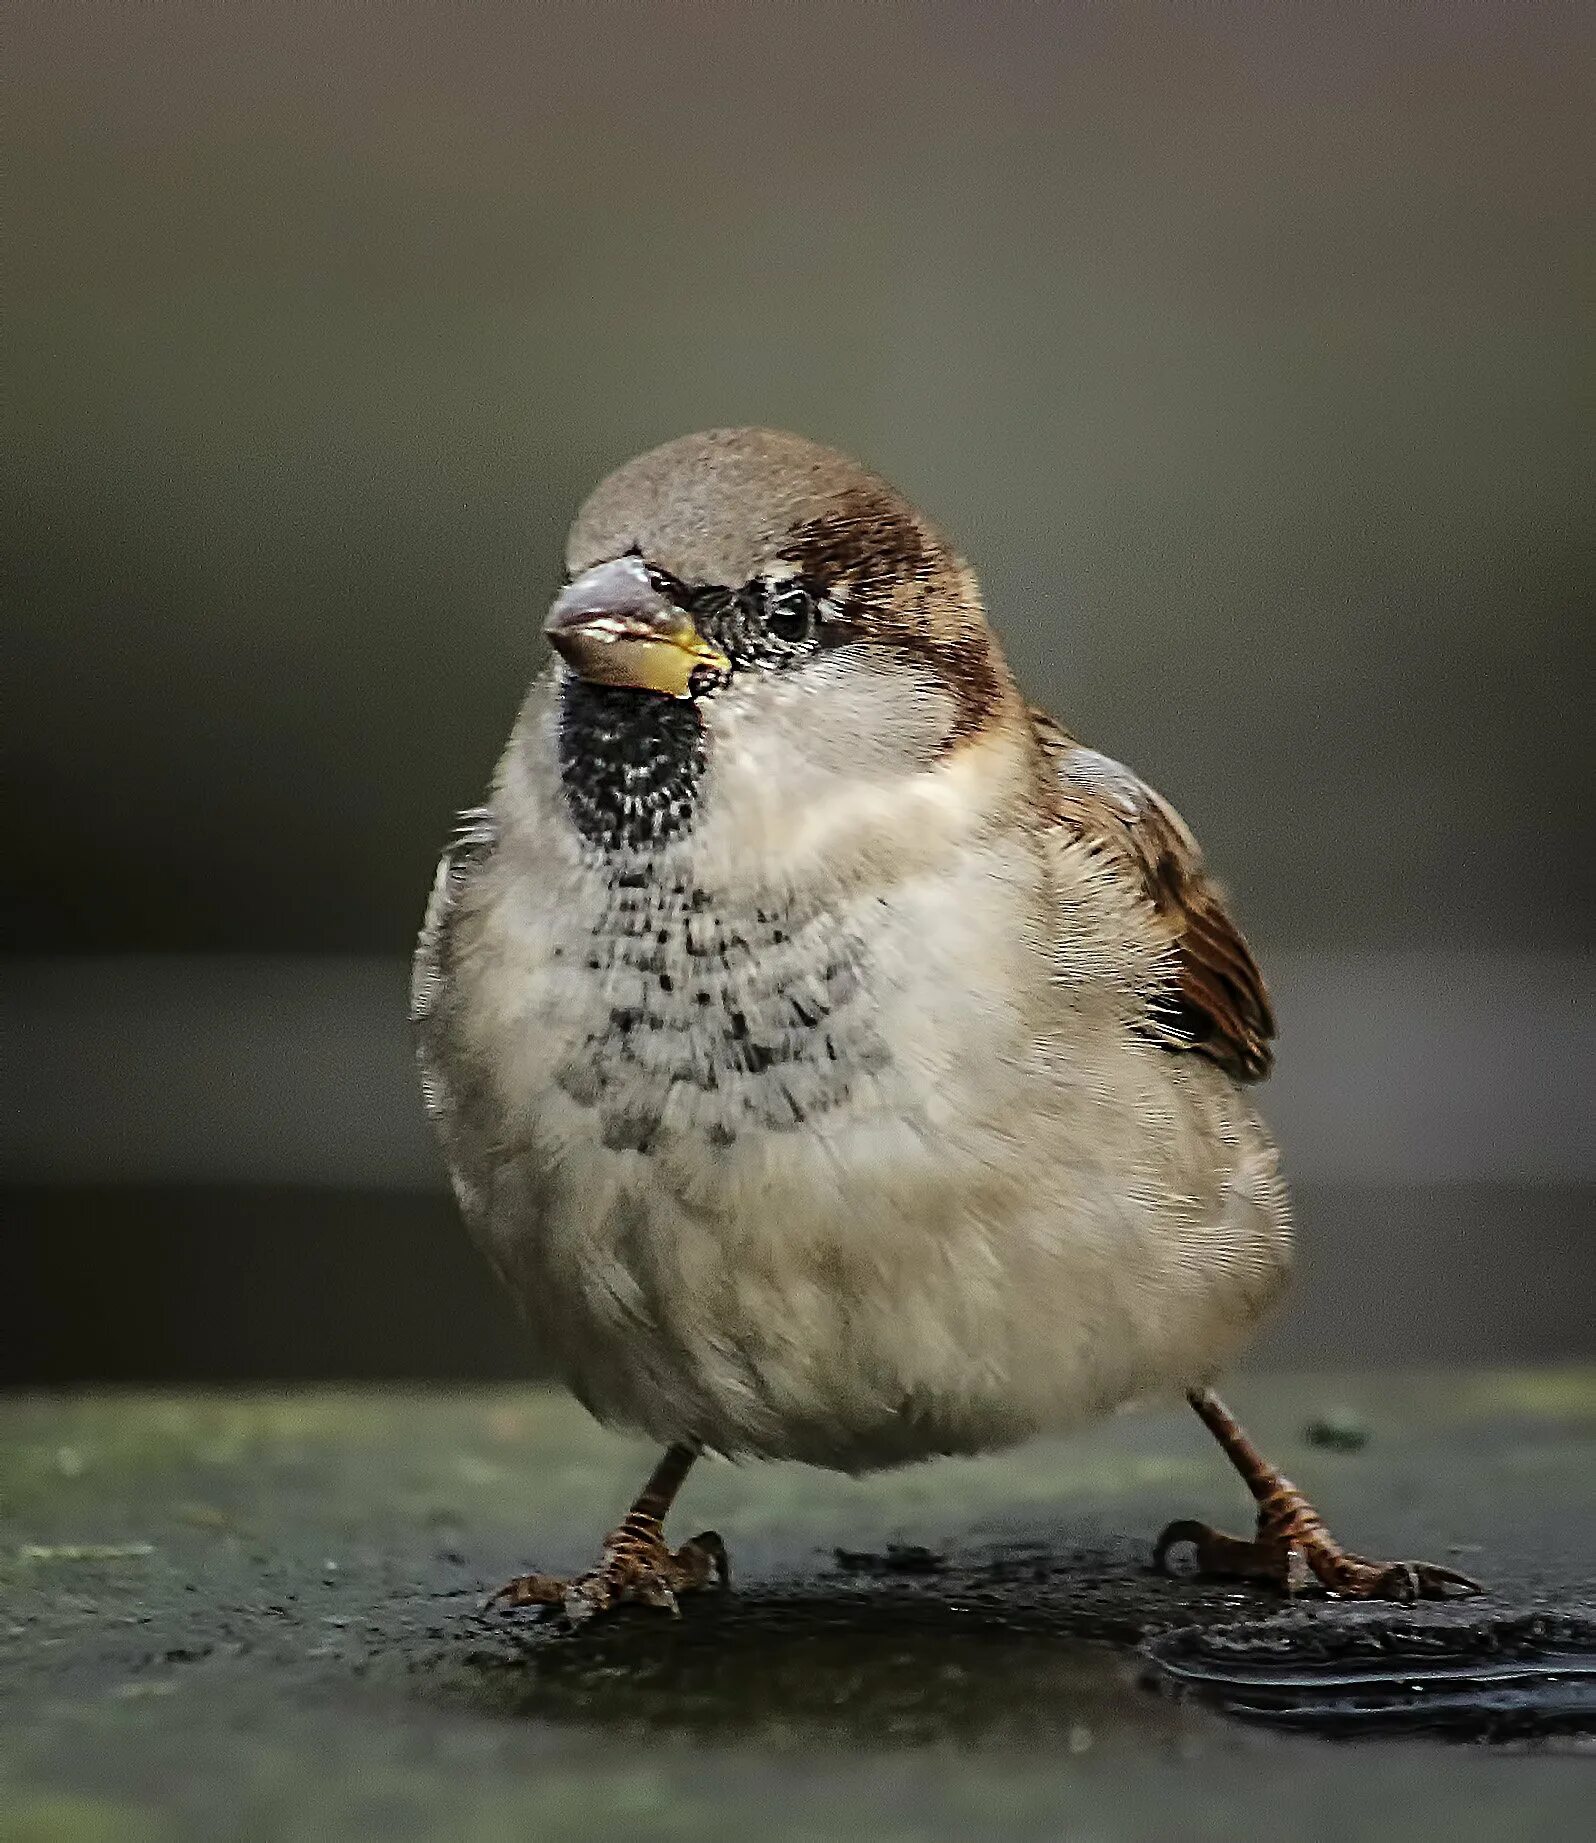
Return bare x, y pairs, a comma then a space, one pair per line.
900, 586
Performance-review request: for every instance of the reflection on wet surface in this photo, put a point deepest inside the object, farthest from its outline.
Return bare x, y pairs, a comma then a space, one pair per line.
1511, 1679
898, 1667
887, 1669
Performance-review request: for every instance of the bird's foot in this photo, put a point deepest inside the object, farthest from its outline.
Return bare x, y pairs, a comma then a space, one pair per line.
1292, 1550
636, 1568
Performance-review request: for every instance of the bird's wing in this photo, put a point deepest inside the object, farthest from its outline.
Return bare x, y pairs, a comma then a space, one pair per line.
472, 843
1217, 1003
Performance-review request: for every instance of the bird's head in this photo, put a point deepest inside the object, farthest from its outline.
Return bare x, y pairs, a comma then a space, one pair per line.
753, 627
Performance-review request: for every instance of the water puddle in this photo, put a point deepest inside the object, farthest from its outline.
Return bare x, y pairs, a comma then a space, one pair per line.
1512, 1679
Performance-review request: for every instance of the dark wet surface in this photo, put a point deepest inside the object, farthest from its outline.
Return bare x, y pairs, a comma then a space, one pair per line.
1526, 1678
261, 1617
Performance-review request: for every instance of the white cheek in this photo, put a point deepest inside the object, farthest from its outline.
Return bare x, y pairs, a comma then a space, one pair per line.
831, 772
791, 752
843, 717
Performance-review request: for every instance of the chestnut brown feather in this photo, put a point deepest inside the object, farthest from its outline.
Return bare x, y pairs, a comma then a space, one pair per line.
1219, 1004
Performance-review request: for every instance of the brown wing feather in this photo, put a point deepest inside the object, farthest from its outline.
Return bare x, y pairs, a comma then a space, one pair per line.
1219, 1006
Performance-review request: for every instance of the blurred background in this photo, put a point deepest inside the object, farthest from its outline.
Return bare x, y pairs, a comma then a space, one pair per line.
1246, 350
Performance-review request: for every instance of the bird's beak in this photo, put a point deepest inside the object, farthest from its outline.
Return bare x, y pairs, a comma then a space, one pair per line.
613, 627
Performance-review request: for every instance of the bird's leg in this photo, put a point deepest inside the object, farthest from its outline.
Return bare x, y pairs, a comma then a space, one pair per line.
635, 1564
1291, 1547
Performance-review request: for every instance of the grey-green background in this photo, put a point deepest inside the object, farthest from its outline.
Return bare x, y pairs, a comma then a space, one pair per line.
1246, 350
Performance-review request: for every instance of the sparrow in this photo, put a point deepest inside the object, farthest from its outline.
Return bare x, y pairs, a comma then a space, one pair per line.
835, 1059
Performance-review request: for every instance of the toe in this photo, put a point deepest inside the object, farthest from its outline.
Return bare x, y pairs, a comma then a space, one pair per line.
526, 1590
1398, 1581
1402, 1582
1217, 1556
655, 1590
1298, 1577
584, 1599
702, 1559
1183, 1533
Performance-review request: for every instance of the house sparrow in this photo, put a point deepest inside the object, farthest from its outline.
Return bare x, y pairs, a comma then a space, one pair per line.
835, 1059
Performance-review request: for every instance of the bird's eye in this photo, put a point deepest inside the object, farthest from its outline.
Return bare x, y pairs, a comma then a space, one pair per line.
790, 612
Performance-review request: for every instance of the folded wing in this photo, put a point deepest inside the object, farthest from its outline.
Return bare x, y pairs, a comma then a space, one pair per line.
1216, 1004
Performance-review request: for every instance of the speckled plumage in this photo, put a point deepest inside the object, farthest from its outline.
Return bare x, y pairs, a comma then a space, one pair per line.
849, 1113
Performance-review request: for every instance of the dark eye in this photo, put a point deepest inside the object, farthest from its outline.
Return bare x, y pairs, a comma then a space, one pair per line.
790, 612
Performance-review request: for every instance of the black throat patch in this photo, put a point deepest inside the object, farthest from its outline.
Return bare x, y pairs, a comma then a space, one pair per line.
630, 763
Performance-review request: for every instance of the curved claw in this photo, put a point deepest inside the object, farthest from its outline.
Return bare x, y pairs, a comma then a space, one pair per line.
1434, 1580
1176, 1535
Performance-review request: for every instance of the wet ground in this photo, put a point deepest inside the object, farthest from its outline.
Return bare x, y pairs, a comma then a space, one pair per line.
256, 1617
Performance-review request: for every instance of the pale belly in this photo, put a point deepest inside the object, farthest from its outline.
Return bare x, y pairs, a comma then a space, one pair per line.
792, 1188
861, 1311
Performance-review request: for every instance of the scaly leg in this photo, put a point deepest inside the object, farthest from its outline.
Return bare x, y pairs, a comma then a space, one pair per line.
635, 1564
1292, 1547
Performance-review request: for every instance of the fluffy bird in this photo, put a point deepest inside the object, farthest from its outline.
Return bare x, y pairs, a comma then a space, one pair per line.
834, 1059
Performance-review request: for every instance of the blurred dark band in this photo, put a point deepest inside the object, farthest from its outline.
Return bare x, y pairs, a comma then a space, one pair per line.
1394, 1068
